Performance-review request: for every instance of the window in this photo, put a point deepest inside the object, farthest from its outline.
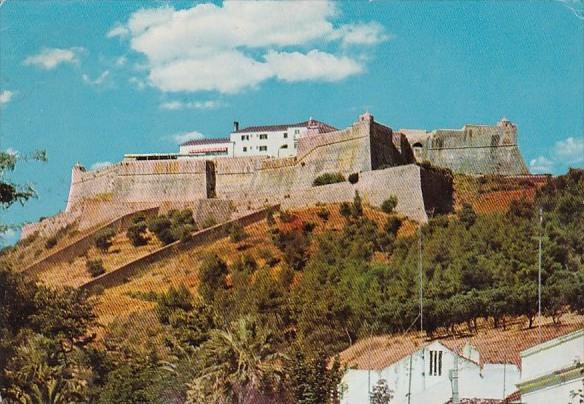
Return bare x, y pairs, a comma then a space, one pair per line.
435, 363
296, 131
245, 149
295, 145
263, 148
285, 135
263, 136
284, 146
244, 137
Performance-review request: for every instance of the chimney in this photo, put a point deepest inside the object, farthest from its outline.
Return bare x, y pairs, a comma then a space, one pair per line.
235, 126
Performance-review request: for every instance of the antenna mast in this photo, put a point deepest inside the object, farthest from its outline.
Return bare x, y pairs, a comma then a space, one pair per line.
539, 276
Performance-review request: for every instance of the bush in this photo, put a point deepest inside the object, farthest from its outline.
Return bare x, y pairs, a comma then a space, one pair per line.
51, 242
236, 232
328, 178
175, 225
137, 234
286, 217
270, 217
389, 204
345, 209
174, 299
392, 225
357, 208
353, 178
467, 215
95, 267
308, 227
103, 239
323, 213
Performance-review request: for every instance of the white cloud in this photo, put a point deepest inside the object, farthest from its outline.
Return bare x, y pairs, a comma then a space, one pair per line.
541, 165
100, 164
363, 34
137, 82
49, 58
6, 97
180, 138
239, 44
98, 80
570, 150
118, 30
177, 105
315, 65
565, 153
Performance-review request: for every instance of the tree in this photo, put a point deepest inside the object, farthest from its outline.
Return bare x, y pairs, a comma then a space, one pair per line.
174, 299
212, 277
311, 380
239, 365
467, 215
353, 178
104, 239
328, 178
11, 192
95, 267
345, 209
389, 204
381, 393
136, 233
357, 208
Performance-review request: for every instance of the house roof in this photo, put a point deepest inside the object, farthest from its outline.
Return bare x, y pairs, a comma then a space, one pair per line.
493, 345
322, 127
199, 142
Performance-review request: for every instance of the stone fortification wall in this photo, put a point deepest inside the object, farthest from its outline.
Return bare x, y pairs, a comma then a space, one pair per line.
216, 210
474, 149
404, 182
90, 184
49, 225
165, 180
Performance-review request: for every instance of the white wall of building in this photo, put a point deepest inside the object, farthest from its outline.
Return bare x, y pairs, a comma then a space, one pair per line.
280, 143
492, 381
548, 374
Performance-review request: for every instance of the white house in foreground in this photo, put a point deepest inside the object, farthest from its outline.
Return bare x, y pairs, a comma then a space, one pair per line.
553, 371
433, 374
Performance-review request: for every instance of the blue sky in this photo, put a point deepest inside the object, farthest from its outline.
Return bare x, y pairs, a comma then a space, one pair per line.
89, 81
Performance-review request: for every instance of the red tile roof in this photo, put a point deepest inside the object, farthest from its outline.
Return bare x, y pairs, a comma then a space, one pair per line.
322, 127
198, 142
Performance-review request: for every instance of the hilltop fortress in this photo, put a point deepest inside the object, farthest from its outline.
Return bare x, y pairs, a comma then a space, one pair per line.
277, 164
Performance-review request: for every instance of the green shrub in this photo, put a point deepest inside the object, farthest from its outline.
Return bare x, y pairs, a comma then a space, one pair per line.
236, 232
175, 225
95, 267
328, 178
175, 299
345, 209
286, 216
246, 263
51, 242
323, 213
137, 234
353, 178
389, 204
392, 225
103, 239
357, 208
308, 227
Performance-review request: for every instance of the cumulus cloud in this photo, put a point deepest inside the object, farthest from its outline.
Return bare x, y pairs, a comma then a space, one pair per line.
98, 80
565, 153
541, 165
570, 150
182, 137
49, 58
100, 164
6, 97
178, 105
238, 44
314, 65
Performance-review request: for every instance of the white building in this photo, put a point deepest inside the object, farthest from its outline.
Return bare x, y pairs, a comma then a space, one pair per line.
431, 374
274, 140
553, 371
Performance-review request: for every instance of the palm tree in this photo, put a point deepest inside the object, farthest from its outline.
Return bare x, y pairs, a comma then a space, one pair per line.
239, 365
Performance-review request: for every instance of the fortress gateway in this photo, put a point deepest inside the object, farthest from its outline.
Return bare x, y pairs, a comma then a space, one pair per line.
277, 164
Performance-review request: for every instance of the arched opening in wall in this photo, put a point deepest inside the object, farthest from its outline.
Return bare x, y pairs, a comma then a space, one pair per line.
417, 148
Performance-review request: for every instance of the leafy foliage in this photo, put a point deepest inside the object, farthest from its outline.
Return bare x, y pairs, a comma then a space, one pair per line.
175, 225
104, 239
95, 267
328, 178
136, 233
389, 204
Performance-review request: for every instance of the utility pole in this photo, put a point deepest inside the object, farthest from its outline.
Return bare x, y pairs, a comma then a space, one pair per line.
539, 276
421, 281
454, 380
410, 381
